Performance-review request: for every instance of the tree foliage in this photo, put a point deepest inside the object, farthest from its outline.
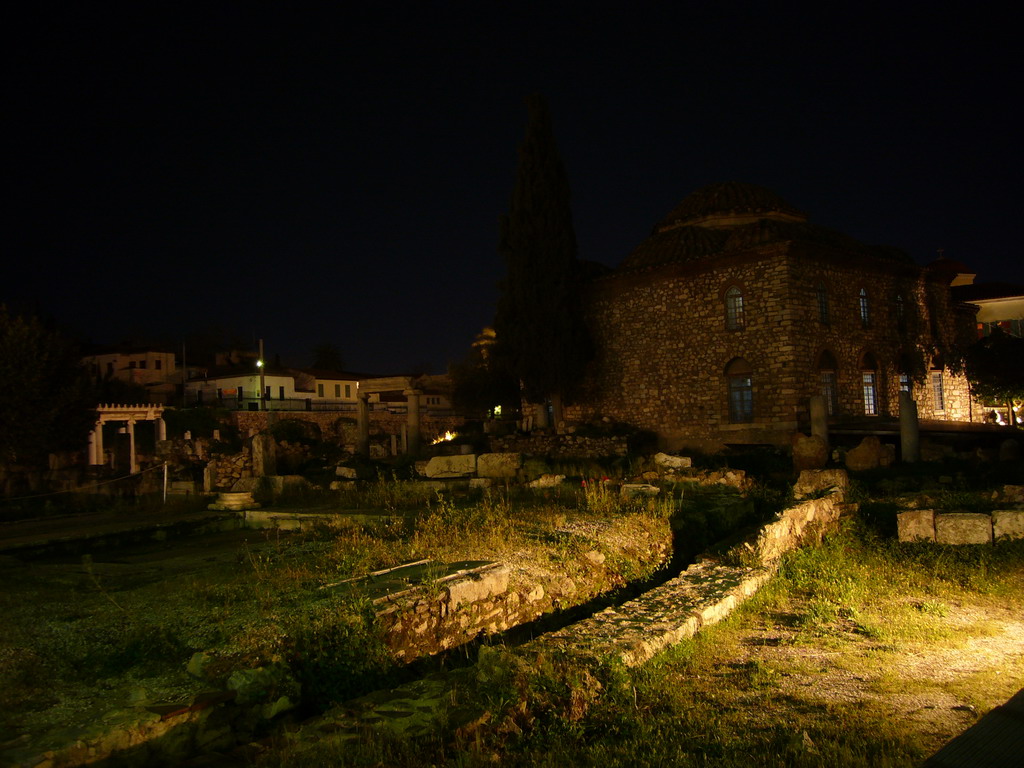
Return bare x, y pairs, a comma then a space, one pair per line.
47, 403
482, 381
539, 323
995, 367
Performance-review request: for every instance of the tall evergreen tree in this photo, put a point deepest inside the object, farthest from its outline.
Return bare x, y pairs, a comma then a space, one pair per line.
539, 322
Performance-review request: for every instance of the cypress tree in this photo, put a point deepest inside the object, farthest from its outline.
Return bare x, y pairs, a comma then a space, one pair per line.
539, 323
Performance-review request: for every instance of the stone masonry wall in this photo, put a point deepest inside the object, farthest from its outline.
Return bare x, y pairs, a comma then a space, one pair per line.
663, 346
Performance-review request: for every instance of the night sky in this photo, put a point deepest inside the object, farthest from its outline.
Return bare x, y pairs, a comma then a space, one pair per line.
308, 176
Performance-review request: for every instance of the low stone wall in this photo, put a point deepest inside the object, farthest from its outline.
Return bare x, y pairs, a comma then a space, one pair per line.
703, 594
960, 527
494, 599
561, 446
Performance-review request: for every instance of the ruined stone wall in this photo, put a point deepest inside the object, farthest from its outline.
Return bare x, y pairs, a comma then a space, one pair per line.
663, 346
344, 429
561, 446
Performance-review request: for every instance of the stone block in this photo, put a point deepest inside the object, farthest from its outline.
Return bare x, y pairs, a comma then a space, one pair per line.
867, 455
546, 481
264, 455
809, 452
963, 528
1008, 524
478, 586
498, 465
916, 525
1013, 494
672, 463
813, 481
346, 473
452, 466
480, 482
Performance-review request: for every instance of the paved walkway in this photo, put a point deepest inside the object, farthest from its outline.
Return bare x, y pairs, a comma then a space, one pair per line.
995, 741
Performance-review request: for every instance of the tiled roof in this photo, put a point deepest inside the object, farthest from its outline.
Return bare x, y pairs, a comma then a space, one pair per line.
730, 197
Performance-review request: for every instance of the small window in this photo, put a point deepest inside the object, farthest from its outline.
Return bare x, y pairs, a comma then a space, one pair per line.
904, 382
741, 391
734, 319
938, 392
131, 364
865, 309
348, 391
319, 390
822, 294
337, 391
158, 364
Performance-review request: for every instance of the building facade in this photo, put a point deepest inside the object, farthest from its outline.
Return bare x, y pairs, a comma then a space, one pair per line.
722, 325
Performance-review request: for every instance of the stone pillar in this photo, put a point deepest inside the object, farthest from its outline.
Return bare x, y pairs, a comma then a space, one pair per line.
540, 416
910, 436
96, 444
161, 429
133, 459
412, 397
363, 420
819, 418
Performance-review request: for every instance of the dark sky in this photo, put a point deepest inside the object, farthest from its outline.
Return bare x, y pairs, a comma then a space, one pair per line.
305, 175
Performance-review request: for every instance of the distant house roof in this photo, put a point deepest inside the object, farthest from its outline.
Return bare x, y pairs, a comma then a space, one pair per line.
982, 291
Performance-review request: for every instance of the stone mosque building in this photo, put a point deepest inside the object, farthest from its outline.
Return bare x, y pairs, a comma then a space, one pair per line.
720, 327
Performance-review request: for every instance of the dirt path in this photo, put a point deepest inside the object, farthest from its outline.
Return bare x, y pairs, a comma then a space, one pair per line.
936, 689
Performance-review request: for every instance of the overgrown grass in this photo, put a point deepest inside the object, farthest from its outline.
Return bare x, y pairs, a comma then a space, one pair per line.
853, 609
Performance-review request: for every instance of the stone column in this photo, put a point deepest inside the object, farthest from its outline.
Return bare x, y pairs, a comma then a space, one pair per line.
96, 444
134, 461
412, 397
819, 418
910, 435
363, 420
540, 417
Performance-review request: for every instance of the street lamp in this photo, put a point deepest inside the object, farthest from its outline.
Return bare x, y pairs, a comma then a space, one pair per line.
263, 387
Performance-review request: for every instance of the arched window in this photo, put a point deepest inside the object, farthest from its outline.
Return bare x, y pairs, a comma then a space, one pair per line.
822, 294
869, 383
865, 309
734, 309
827, 381
739, 376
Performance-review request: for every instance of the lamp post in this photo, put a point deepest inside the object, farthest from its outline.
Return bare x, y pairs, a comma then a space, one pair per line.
263, 388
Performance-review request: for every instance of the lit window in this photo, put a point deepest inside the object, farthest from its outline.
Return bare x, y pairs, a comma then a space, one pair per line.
865, 309
733, 309
822, 294
904, 383
938, 393
870, 393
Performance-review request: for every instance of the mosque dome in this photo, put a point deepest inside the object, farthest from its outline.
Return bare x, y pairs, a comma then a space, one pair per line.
730, 204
